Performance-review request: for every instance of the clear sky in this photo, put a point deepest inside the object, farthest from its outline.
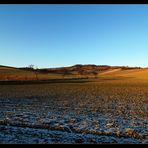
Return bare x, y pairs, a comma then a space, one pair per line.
63, 35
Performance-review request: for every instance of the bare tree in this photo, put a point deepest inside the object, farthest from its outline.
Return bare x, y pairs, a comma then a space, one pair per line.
36, 73
35, 70
31, 66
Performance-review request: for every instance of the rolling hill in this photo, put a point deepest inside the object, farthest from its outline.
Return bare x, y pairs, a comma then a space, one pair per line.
77, 71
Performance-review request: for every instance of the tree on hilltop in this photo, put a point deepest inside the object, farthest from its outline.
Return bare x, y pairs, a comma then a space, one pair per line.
35, 70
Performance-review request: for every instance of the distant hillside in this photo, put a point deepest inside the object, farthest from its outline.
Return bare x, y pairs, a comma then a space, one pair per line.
75, 71
6, 67
88, 69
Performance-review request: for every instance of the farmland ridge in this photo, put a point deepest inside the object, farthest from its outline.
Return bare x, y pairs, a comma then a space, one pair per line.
78, 71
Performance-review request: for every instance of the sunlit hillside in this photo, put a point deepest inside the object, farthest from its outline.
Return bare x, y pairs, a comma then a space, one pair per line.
74, 72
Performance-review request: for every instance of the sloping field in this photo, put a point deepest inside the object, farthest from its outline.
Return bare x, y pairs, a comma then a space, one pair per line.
111, 71
8, 73
133, 74
15, 74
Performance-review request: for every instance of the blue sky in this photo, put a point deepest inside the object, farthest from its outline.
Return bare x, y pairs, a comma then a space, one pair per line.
63, 35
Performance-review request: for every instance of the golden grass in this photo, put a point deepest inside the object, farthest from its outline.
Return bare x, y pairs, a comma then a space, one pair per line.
7, 73
136, 74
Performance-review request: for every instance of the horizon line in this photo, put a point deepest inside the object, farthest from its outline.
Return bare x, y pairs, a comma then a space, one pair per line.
35, 66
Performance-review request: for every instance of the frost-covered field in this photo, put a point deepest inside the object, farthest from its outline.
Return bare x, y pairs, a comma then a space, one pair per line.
92, 112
